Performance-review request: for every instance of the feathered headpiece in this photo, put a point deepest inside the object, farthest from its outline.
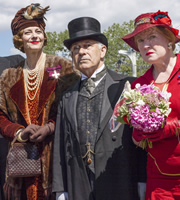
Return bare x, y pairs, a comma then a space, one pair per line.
32, 15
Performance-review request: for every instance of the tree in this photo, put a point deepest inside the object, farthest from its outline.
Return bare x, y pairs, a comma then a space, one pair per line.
55, 43
115, 43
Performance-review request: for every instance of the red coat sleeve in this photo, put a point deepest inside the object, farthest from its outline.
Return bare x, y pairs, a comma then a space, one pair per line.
8, 128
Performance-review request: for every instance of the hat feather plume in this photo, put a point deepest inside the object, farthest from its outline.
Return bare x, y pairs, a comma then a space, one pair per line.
35, 11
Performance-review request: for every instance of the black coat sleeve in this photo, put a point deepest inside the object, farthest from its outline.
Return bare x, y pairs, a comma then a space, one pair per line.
141, 155
59, 175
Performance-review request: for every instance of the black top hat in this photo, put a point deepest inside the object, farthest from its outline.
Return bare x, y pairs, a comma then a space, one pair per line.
84, 28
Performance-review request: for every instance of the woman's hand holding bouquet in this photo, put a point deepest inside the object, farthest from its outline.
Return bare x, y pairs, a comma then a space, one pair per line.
146, 109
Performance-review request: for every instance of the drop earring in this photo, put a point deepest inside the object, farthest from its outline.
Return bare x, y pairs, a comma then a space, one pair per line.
170, 45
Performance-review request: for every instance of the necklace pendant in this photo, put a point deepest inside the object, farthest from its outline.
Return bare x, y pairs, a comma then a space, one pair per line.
89, 161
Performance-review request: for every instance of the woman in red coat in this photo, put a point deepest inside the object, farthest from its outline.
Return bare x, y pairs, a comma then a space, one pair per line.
29, 94
155, 38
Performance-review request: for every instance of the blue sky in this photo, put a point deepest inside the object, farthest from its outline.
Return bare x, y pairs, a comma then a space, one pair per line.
106, 11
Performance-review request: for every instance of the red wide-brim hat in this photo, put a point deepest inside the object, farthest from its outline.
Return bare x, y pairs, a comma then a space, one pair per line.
148, 20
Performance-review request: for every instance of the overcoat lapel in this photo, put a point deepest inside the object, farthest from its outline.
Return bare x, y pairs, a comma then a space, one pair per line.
71, 104
106, 98
112, 91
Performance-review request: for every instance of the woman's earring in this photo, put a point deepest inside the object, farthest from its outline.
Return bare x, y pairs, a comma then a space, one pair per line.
170, 45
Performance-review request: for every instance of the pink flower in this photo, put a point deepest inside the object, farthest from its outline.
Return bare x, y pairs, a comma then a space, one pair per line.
146, 108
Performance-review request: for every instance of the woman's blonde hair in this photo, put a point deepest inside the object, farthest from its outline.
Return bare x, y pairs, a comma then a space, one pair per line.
18, 42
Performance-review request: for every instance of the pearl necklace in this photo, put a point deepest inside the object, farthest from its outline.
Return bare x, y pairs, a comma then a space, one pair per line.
33, 78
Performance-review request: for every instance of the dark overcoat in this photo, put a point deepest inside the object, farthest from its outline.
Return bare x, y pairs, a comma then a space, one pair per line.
115, 154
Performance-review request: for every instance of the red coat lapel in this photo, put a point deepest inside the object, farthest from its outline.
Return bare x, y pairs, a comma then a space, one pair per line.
47, 88
17, 94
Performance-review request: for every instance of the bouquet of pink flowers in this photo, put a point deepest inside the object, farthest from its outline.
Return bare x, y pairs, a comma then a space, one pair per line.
145, 108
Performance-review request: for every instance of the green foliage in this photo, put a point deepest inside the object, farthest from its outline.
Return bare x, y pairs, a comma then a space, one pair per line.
55, 43
114, 34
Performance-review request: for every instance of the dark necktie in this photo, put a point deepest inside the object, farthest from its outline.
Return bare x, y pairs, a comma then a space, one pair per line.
90, 85
90, 82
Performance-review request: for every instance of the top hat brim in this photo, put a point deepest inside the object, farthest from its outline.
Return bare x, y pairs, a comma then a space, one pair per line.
94, 36
129, 38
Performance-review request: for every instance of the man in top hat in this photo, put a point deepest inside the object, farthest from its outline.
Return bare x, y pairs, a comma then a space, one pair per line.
91, 162
5, 62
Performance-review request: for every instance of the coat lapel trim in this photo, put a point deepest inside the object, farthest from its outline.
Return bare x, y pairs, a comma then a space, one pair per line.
17, 94
47, 88
71, 98
113, 89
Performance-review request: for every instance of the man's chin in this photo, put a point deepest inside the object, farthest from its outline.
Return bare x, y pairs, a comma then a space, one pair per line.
83, 65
